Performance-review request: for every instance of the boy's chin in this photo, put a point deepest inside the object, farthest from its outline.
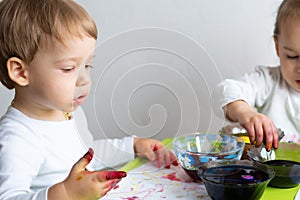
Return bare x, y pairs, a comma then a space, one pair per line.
73, 108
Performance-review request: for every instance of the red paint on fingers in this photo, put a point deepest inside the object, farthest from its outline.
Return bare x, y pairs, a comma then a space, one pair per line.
115, 175
269, 146
89, 155
175, 163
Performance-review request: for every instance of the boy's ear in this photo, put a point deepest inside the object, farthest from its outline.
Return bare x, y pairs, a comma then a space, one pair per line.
17, 71
275, 38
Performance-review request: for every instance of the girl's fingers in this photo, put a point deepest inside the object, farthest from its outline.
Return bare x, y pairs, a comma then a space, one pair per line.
275, 137
251, 133
259, 134
268, 135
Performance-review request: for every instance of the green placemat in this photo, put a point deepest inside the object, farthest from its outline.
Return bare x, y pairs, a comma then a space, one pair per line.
288, 151
280, 194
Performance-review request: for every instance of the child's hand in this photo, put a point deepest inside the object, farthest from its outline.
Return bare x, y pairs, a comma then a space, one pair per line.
259, 126
260, 129
82, 184
154, 150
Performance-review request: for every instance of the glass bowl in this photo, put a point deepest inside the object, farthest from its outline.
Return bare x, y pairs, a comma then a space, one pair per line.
195, 149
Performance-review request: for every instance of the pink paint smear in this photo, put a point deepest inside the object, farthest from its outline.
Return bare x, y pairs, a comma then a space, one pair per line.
172, 177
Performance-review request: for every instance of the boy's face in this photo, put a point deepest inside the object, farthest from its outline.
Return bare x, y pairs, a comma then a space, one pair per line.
288, 49
59, 75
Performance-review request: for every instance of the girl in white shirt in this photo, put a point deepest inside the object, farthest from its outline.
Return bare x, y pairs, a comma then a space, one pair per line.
269, 97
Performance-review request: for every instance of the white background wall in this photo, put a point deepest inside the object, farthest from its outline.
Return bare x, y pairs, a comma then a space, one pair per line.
158, 61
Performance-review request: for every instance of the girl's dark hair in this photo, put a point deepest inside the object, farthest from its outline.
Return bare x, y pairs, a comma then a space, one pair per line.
288, 10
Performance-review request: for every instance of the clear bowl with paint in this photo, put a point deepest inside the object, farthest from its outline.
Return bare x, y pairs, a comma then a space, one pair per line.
195, 149
242, 179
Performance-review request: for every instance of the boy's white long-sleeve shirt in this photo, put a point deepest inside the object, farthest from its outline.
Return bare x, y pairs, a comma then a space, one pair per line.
36, 154
267, 91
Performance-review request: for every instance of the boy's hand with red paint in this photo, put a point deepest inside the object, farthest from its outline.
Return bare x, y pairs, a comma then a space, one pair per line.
155, 151
82, 184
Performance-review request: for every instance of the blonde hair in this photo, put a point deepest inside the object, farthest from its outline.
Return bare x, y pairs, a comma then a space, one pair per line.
288, 10
25, 23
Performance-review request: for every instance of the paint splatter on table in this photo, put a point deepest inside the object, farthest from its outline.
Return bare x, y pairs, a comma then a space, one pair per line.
148, 182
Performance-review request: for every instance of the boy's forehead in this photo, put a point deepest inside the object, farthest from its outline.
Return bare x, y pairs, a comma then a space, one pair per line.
62, 41
69, 47
66, 58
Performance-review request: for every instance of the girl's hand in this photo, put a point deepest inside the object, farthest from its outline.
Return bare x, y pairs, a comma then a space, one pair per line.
82, 184
259, 126
260, 129
154, 150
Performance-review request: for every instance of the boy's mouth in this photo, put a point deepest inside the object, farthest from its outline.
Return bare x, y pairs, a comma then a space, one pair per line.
80, 100
298, 82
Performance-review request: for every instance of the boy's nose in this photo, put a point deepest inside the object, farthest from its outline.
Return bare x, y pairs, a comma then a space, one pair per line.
83, 77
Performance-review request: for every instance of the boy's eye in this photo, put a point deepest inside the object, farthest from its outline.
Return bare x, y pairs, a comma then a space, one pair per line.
292, 57
88, 66
68, 69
